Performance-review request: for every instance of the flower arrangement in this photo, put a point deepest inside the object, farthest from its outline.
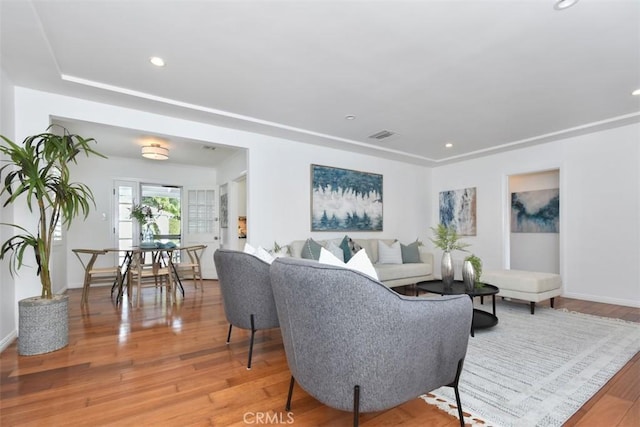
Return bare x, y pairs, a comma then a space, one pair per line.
141, 213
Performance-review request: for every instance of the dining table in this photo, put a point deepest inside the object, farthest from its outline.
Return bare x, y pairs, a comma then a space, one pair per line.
160, 254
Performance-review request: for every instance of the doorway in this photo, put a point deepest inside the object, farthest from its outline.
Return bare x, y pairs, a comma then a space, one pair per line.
534, 234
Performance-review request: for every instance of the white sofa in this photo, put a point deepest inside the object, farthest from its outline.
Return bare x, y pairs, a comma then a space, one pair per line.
391, 275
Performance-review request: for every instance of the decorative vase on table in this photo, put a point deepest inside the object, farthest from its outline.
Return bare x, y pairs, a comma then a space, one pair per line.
468, 275
147, 237
446, 269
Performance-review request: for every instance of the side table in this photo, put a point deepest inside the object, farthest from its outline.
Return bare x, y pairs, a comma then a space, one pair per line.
481, 319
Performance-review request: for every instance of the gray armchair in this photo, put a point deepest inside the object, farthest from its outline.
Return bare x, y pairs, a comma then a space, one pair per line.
246, 292
354, 344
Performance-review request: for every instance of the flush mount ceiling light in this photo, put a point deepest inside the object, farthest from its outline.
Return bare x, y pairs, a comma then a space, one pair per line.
636, 92
564, 4
157, 61
155, 152
448, 145
350, 117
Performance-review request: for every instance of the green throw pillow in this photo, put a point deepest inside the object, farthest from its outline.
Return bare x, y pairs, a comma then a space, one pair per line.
311, 250
410, 253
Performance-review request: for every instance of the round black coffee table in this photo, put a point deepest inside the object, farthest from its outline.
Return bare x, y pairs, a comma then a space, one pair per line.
481, 319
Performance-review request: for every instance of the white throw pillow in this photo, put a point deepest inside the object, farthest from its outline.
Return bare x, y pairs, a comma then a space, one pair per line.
389, 254
264, 255
359, 262
260, 253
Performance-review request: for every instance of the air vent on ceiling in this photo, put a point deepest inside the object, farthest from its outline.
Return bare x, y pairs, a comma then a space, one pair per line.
382, 134
208, 147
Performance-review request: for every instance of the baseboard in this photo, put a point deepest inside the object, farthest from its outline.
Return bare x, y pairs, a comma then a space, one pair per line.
8, 340
605, 300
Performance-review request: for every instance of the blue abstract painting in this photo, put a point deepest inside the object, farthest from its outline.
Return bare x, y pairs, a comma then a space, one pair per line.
458, 209
535, 211
343, 199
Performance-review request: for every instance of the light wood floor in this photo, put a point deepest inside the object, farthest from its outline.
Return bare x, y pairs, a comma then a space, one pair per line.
164, 365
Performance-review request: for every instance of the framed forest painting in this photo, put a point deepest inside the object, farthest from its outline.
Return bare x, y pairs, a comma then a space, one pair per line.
345, 200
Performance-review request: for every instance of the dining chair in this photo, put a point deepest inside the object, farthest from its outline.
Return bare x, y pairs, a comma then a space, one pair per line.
191, 268
96, 274
156, 274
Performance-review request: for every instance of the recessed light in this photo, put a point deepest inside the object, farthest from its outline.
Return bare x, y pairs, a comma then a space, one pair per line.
636, 92
157, 61
350, 117
448, 145
564, 4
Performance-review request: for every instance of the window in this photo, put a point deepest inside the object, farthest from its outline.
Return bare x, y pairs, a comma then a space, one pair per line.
200, 211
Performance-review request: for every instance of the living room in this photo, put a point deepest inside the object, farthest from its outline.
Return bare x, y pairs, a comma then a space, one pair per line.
598, 164
613, 153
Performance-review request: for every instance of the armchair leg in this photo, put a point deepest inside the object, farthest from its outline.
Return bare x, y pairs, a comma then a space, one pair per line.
356, 405
229, 334
253, 332
454, 384
288, 405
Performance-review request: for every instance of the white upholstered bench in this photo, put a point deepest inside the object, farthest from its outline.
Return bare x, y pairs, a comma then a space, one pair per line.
525, 285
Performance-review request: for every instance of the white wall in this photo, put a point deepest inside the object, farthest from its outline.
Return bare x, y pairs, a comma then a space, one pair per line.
280, 193
535, 251
599, 209
7, 284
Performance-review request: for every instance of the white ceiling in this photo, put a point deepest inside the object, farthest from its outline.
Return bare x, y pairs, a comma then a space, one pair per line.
484, 75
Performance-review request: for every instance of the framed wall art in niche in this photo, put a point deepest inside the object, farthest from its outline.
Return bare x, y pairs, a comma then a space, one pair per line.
345, 200
535, 211
458, 209
224, 211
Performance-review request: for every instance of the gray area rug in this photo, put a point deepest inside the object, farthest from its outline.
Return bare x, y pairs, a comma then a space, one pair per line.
538, 370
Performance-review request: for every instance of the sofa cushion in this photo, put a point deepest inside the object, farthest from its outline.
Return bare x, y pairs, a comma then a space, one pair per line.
397, 271
346, 249
336, 250
410, 252
389, 254
260, 252
311, 250
359, 262
353, 248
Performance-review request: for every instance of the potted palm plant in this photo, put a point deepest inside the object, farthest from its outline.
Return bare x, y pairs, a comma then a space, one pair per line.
36, 173
447, 239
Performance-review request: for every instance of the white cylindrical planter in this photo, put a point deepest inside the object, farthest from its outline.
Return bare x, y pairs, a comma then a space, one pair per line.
43, 324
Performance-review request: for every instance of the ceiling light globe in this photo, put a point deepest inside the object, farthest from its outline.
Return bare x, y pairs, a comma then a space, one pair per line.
564, 4
157, 61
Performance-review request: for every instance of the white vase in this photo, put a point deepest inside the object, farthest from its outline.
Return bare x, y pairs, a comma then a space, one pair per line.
446, 269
